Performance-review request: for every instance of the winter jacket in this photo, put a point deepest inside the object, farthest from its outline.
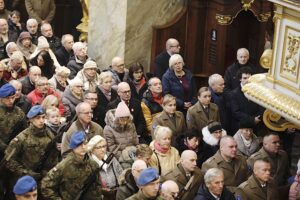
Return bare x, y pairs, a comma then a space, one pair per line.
70, 102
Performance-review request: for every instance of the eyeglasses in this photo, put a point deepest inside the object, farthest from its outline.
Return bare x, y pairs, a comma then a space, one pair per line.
121, 65
177, 46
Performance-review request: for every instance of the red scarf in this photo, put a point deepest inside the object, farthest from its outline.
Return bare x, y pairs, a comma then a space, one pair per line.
160, 149
158, 99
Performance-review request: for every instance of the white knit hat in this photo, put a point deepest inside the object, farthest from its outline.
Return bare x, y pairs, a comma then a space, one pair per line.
42, 43
90, 65
122, 110
94, 141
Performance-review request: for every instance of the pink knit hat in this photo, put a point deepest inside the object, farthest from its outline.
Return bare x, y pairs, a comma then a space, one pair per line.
122, 110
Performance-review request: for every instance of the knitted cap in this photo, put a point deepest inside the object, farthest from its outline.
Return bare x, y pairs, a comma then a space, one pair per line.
214, 126
42, 43
94, 141
90, 65
24, 35
122, 110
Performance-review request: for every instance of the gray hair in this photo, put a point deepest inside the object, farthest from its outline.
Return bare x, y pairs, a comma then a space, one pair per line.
63, 38
214, 78
11, 45
31, 21
160, 130
40, 79
175, 58
211, 174
62, 70
17, 55
240, 50
78, 107
78, 46
105, 75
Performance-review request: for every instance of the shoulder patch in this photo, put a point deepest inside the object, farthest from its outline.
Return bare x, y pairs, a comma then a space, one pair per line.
16, 139
54, 169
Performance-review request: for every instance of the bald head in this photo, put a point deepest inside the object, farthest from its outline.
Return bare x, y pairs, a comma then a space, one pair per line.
271, 143
169, 189
189, 160
228, 148
172, 46
117, 64
137, 167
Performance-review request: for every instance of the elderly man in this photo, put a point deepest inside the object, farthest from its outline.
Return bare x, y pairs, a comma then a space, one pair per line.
152, 101
32, 28
148, 184
216, 87
119, 72
30, 145
214, 188
77, 61
26, 188
234, 166
128, 185
5, 36
64, 53
260, 185
278, 158
83, 123
66, 179
169, 190
185, 174
43, 12
161, 61
14, 67
99, 111
41, 91
47, 32
20, 99
134, 106
28, 82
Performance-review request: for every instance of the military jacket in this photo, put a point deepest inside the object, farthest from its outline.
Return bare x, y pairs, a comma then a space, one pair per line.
68, 177
29, 147
141, 196
280, 174
12, 122
235, 172
251, 190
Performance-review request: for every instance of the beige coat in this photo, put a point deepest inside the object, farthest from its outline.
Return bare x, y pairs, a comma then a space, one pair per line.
41, 9
167, 161
196, 117
234, 173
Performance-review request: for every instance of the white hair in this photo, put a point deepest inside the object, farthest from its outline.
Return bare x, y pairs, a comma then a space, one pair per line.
75, 81
78, 46
211, 174
105, 75
175, 58
159, 130
214, 78
31, 21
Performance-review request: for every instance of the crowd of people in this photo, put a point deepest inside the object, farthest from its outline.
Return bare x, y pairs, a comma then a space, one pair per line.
71, 131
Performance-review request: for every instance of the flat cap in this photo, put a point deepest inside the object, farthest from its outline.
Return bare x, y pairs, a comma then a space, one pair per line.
35, 111
7, 90
24, 184
147, 176
77, 139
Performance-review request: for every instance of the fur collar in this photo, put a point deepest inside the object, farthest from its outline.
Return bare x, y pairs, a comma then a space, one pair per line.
209, 138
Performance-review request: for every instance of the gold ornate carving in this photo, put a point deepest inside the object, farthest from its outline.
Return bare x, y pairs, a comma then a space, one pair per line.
266, 59
263, 17
83, 27
224, 19
247, 4
275, 122
291, 61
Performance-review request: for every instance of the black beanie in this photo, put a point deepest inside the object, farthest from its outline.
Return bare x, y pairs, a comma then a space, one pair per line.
246, 123
214, 126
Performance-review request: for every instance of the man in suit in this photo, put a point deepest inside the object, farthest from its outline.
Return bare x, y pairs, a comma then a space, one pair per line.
184, 171
134, 106
161, 61
260, 185
234, 166
64, 53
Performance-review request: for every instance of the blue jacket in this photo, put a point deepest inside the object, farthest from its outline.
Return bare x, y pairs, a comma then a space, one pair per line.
171, 85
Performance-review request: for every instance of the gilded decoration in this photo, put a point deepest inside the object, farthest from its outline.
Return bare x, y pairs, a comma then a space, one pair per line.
291, 59
83, 26
263, 17
224, 19
266, 59
247, 4
275, 122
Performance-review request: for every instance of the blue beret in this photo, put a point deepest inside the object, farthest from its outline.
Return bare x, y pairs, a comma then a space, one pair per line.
35, 111
147, 176
77, 139
7, 90
25, 184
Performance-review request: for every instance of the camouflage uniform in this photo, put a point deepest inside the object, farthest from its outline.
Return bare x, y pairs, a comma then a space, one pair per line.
141, 196
29, 147
66, 179
12, 121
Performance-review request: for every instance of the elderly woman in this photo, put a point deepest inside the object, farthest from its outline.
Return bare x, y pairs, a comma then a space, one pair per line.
110, 172
247, 142
171, 118
72, 96
25, 44
89, 75
104, 90
137, 80
212, 133
59, 80
120, 129
164, 157
179, 82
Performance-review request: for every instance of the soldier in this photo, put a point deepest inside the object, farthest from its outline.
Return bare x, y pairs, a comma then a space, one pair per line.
25, 188
67, 178
84, 123
260, 185
148, 184
278, 158
183, 173
234, 166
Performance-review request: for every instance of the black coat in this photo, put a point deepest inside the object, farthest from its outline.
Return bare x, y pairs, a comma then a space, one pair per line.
137, 94
204, 194
161, 64
63, 56
99, 115
23, 103
102, 100
137, 113
243, 109
153, 106
74, 67
27, 86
